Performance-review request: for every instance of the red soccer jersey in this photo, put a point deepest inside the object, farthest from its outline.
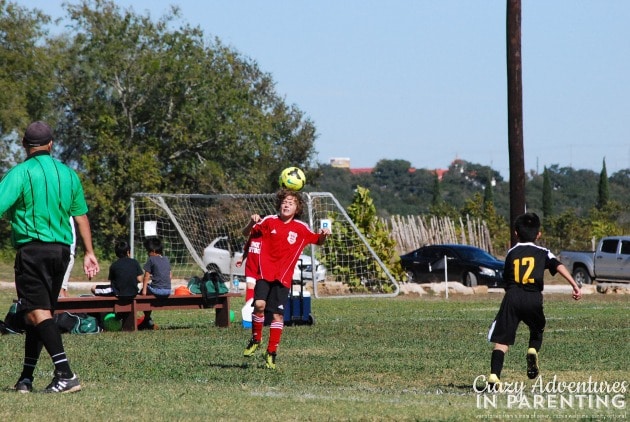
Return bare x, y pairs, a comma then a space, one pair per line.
252, 268
281, 246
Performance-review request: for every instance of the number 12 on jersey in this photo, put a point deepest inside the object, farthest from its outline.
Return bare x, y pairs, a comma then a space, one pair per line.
525, 267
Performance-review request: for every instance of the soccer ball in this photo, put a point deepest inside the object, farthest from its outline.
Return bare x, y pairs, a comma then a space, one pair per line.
292, 178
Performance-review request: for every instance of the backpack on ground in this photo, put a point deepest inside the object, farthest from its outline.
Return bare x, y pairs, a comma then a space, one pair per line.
77, 323
88, 324
13, 322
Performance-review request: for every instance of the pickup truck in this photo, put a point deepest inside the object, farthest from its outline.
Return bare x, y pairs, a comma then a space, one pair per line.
609, 262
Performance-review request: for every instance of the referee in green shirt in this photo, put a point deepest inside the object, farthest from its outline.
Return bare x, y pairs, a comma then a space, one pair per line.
39, 196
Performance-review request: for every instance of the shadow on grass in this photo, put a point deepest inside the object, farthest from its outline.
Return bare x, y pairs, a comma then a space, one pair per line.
244, 365
459, 389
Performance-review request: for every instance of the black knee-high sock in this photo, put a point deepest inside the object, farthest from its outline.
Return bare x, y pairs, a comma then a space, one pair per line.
32, 349
496, 362
51, 338
535, 339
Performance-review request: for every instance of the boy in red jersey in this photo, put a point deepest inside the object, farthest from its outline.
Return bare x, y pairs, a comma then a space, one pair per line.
251, 252
283, 239
524, 271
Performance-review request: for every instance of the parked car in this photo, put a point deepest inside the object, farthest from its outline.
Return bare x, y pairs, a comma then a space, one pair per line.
221, 255
609, 262
305, 266
468, 264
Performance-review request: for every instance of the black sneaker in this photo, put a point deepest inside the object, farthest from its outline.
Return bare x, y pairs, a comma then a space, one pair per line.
532, 363
24, 385
63, 385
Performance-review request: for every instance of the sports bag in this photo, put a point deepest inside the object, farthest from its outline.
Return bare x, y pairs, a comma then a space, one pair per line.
210, 284
13, 322
77, 323
66, 321
88, 324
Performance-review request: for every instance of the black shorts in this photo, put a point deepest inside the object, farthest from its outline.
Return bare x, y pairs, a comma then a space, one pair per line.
273, 293
39, 272
517, 305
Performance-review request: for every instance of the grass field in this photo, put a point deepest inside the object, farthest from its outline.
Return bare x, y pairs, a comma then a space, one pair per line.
364, 359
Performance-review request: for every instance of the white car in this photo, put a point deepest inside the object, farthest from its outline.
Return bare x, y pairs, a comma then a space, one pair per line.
304, 265
221, 256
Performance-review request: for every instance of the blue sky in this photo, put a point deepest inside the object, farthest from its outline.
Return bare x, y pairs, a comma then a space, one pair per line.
425, 80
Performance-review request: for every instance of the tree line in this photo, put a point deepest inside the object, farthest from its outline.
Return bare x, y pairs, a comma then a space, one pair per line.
139, 105
576, 206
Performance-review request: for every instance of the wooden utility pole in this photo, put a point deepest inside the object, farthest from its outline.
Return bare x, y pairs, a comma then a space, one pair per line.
515, 113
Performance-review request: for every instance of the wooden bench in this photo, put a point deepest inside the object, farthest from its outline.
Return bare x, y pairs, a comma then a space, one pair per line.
130, 306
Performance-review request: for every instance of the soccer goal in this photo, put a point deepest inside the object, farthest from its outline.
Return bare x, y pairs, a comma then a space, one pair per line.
203, 232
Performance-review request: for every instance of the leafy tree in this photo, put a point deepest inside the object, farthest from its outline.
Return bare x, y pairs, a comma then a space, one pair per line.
363, 213
25, 77
566, 231
498, 227
326, 178
144, 107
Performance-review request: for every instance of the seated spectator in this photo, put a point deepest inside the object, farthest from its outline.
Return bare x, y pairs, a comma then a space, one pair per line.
124, 275
157, 277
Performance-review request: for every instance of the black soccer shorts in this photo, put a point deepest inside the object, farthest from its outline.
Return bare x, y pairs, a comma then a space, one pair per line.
517, 305
275, 294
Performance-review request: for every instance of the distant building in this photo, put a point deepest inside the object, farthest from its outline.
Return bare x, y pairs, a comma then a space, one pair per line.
440, 173
362, 170
340, 162
344, 162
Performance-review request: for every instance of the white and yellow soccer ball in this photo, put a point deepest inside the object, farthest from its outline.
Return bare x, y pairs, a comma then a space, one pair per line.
292, 178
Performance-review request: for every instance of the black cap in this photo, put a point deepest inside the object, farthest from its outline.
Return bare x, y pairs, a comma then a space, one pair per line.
37, 134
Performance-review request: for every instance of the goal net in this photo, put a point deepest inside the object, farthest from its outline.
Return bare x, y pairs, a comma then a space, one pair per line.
203, 232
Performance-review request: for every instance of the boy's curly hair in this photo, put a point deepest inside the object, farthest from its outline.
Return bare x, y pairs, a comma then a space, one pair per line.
282, 194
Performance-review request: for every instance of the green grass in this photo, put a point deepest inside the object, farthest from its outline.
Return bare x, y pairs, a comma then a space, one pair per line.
364, 359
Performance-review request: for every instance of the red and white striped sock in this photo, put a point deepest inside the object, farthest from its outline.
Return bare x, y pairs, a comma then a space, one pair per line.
275, 334
258, 320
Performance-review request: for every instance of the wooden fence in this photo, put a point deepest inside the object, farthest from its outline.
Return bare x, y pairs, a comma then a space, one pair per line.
411, 232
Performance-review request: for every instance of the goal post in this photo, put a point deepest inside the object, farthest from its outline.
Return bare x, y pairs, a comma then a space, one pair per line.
203, 232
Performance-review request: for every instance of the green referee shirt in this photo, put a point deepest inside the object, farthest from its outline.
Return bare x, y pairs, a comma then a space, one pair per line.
39, 196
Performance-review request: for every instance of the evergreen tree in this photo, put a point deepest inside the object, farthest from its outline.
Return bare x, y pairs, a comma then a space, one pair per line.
488, 194
603, 193
436, 198
547, 202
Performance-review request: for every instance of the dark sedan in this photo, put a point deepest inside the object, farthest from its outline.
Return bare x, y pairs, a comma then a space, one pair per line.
469, 265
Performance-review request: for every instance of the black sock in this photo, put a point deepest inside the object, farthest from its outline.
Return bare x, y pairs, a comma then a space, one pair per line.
535, 340
496, 362
51, 338
32, 349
